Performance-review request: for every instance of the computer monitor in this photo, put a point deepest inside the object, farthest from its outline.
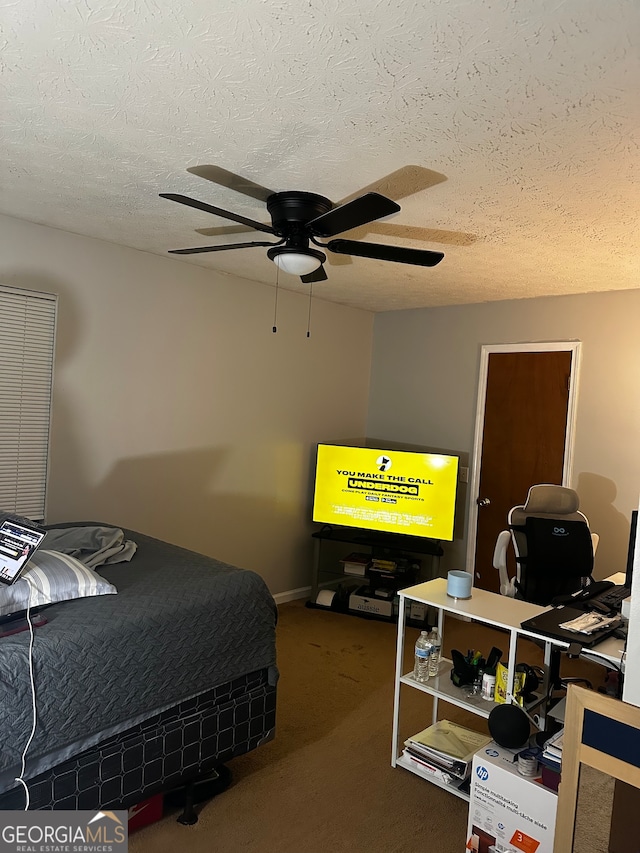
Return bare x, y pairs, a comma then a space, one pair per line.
632, 547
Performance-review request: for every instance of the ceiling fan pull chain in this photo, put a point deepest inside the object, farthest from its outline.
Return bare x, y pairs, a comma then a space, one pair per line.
309, 317
275, 307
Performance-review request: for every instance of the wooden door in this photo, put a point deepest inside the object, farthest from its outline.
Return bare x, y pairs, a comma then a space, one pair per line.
523, 441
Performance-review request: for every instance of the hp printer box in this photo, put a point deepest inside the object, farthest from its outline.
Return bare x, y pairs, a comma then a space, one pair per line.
508, 811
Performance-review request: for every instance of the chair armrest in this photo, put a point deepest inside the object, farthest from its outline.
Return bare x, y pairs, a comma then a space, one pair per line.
507, 585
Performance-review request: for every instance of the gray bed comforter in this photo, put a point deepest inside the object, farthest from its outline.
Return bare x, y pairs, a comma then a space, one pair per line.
180, 624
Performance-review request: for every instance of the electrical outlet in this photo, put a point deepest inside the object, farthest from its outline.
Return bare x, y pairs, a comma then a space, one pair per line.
464, 475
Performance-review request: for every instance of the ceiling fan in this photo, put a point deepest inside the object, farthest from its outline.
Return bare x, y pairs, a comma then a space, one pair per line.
300, 218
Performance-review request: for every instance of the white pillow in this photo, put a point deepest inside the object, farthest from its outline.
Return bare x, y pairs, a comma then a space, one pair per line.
51, 576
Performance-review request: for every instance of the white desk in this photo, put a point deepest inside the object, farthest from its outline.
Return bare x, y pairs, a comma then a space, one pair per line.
488, 608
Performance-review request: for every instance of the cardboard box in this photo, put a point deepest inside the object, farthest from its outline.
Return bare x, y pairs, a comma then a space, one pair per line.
146, 812
363, 600
417, 611
508, 812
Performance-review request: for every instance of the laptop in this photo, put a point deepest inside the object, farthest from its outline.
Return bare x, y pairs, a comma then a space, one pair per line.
548, 624
19, 541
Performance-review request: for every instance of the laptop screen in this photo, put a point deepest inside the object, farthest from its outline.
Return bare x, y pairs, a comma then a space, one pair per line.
17, 545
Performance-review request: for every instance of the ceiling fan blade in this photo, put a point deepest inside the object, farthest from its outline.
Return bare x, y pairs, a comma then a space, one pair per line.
316, 275
416, 232
234, 182
199, 249
218, 211
361, 210
402, 183
420, 257
221, 230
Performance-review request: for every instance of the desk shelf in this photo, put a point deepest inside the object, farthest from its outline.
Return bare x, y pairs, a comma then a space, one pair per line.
442, 687
485, 608
488, 609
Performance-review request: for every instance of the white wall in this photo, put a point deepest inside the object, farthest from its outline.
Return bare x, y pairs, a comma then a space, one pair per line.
177, 412
424, 385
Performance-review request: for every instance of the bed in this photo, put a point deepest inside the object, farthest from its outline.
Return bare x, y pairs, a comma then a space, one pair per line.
142, 691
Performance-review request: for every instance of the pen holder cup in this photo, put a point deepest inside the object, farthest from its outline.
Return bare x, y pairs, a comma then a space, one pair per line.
459, 584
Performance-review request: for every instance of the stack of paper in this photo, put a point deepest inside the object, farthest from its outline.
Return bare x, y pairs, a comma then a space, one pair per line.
447, 747
589, 623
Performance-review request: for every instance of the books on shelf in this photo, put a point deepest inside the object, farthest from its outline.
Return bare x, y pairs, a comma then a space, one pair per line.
384, 565
356, 563
392, 568
552, 750
448, 746
554, 744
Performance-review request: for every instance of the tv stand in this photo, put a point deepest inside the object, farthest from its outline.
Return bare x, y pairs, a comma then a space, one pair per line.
378, 544
397, 542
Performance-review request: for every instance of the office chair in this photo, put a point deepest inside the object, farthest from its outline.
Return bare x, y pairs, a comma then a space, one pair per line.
553, 546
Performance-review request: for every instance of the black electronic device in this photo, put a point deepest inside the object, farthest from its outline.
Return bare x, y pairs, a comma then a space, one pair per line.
492, 661
605, 596
609, 601
533, 676
631, 550
509, 726
549, 621
406, 492
19, 540
18, 622
586, 593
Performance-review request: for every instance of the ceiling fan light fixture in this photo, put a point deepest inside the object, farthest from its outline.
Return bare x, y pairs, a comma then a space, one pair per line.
296, 261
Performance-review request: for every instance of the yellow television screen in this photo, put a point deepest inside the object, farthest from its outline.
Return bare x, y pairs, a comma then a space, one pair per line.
396, 491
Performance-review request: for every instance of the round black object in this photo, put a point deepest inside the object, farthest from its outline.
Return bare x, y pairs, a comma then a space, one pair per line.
509, 726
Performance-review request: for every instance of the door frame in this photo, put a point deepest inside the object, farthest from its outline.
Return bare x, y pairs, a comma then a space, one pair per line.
575, 347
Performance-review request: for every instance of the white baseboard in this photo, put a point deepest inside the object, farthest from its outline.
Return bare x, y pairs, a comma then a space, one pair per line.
292, 595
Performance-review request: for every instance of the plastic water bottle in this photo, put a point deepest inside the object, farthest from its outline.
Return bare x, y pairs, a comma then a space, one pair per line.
423, 656
434, 657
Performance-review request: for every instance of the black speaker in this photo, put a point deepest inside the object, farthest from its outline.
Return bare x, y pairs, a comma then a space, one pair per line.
509, 726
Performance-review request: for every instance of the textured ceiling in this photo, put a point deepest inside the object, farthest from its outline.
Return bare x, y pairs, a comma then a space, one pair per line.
530, 109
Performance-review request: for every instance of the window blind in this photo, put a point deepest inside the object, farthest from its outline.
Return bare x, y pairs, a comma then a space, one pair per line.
27, 340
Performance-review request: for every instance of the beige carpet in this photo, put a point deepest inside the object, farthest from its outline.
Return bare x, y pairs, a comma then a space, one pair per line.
325, 783
593, 815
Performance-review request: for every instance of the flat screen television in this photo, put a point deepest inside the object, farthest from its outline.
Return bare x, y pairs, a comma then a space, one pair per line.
394, 491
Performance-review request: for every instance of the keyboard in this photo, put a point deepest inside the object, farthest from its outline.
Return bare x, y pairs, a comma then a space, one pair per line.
612, 598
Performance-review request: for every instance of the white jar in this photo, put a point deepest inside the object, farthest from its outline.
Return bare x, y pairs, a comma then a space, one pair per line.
488, 686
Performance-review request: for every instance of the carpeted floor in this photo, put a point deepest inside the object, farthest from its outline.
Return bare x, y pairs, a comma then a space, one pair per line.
325, 783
